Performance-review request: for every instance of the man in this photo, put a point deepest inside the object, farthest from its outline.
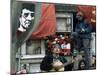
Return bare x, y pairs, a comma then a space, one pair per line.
26, 17
53, 62
82, 35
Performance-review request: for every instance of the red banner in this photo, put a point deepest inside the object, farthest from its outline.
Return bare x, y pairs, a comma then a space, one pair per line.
47, 25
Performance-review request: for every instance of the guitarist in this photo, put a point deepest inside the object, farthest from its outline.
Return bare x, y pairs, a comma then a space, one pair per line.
53, 62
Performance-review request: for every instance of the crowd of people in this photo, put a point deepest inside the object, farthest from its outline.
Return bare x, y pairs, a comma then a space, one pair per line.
60, 41
63, 45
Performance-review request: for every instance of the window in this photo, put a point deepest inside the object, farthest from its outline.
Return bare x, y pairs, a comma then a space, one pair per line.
64, 22
35, 47
32, 49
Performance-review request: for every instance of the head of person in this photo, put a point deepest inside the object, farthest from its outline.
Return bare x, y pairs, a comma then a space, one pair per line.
82, 65
27, 15
24, 66
56, 50
80, 16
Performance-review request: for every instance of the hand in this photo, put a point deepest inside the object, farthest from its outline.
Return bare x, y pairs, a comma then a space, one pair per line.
57, 65
82, 30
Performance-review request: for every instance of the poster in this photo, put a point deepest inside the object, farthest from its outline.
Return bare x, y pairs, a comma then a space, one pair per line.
50, 27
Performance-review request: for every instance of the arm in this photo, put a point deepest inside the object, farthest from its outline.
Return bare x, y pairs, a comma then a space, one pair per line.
88, 28
77, 29
46, 63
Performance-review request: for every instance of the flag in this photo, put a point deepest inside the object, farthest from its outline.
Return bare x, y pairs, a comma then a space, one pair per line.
47, 24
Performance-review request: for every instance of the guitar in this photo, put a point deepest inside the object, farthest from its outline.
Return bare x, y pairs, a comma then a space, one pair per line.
59, 66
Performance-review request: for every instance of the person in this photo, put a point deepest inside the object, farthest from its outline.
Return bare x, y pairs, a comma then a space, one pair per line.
23, 70
81, 65
65, 46
82, 36
26, 17
53, 62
